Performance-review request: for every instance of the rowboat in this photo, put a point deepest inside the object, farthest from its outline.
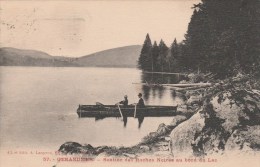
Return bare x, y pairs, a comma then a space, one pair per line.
128, 111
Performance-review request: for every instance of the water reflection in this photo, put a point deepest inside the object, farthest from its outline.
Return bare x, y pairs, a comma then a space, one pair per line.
153, 90
140, 121
124, 120
45, 105
161, 78
155, 94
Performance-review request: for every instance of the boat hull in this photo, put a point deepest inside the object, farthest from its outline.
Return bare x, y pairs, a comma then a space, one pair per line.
129, 111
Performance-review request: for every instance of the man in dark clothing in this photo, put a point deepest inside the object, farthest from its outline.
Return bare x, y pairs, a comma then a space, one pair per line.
141, 101
125, 101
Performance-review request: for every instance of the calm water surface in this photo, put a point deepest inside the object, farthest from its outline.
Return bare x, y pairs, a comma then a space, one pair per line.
38, 106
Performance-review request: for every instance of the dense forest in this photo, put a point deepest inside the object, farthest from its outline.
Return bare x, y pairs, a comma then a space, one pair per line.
222, 38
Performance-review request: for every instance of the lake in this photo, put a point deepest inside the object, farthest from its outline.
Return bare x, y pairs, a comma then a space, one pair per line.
38, 106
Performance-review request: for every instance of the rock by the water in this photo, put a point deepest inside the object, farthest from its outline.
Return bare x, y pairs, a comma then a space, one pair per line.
102, 155
163, 154
130, 155
101, 149
220, 125
194, 99
163, 145
182, 108
162, 129
70, 148
144, 148
177, 119
167, 138
183, 135
76, 148
245, 139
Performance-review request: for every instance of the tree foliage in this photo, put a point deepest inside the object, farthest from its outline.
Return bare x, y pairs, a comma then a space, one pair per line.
222, 38
145, 59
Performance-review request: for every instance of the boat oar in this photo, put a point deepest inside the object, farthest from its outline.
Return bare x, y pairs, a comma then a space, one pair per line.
135, 111
79, 111
120, 111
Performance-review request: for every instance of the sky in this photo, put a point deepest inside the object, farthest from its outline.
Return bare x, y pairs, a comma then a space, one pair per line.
77, 28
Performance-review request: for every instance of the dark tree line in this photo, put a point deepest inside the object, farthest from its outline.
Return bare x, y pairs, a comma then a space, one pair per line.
222, 38
156, 57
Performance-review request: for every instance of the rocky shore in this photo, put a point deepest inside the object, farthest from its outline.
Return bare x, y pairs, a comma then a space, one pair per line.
219, 120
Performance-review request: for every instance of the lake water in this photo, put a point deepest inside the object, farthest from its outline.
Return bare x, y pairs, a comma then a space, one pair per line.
38, 106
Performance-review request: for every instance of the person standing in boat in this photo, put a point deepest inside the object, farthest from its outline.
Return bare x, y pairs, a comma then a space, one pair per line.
140, 103
125, 101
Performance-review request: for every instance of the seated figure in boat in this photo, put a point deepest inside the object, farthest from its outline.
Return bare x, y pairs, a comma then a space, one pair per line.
141, 101
124, 102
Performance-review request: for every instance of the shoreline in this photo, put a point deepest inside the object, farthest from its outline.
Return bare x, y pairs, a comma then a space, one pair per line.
157, 141
202, 121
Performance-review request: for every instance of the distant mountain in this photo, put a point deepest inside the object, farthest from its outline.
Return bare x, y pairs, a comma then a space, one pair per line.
19, 57
20, 52
118, 57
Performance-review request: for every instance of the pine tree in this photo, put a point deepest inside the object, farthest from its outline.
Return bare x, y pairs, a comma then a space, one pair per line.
163, 51
155, 55
174, 56
222, 35
222, 38
145, 59
174, 49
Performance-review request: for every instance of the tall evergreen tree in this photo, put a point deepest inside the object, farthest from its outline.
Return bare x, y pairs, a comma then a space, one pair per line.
163, 51
222, 35
145, 59
222, 38
197, 40
174, 49
174, 56
155, 55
